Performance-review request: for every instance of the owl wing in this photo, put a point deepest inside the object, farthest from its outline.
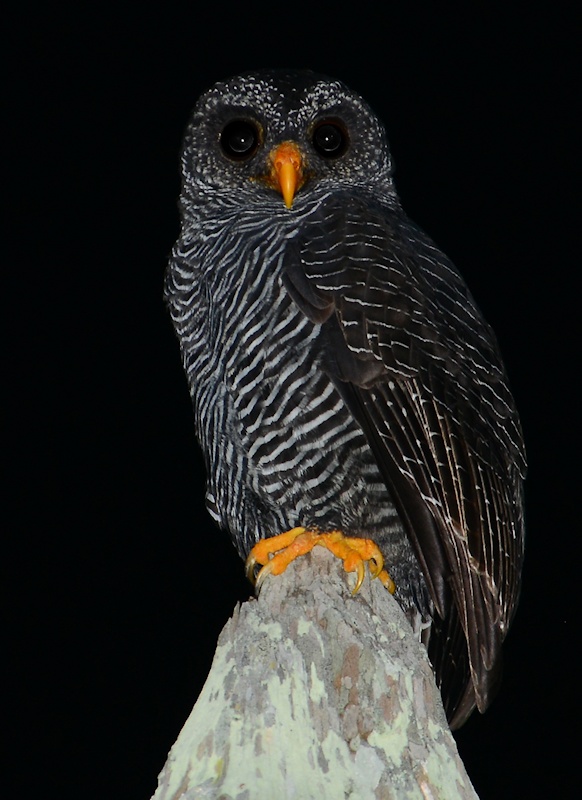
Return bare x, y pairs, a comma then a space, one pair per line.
420, 370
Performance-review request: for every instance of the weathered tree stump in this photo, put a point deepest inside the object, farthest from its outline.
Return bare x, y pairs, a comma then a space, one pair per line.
315, 693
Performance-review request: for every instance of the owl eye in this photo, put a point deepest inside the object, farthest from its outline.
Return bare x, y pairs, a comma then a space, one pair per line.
330, 139
240, 139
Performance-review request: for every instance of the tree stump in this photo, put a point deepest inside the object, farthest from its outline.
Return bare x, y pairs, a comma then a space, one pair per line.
315, 693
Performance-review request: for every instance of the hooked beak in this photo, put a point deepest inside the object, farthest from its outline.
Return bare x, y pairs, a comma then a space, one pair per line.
286, 170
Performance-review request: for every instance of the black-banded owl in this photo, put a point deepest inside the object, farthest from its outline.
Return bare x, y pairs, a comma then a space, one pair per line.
343, 378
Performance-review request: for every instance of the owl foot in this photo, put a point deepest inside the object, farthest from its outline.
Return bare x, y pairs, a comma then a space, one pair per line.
276, 553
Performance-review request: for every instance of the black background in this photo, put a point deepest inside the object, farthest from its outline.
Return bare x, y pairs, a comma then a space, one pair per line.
118, 584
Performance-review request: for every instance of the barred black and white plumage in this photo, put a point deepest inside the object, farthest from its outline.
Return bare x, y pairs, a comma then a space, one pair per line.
341, 373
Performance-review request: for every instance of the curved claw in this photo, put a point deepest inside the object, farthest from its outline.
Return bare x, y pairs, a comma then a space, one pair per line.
263, 573
250, 565
378, 565
360, 572
387, 581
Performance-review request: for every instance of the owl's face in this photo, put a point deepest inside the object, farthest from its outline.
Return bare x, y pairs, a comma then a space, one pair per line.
271, 138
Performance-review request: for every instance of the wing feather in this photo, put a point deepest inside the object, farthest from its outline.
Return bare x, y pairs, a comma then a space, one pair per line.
420, 370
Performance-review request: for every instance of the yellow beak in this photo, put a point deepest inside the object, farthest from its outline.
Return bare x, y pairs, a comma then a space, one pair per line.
286, 173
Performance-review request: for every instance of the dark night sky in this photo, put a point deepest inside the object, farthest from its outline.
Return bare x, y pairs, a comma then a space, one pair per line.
118, 582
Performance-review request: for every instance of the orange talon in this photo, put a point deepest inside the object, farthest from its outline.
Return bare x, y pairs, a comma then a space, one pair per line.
276, 553
387, 581
269, 547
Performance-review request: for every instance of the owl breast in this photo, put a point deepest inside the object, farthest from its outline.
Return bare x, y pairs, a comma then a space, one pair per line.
281, 447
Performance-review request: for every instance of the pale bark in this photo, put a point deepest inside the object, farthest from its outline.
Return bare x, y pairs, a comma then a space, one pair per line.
314, 693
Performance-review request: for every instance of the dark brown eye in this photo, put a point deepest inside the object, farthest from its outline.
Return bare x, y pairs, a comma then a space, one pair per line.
240, 139
330, 139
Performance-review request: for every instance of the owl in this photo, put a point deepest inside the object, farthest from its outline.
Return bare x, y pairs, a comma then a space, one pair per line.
347, 391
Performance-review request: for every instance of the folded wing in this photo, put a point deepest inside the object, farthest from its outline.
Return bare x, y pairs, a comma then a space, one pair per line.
420, 370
